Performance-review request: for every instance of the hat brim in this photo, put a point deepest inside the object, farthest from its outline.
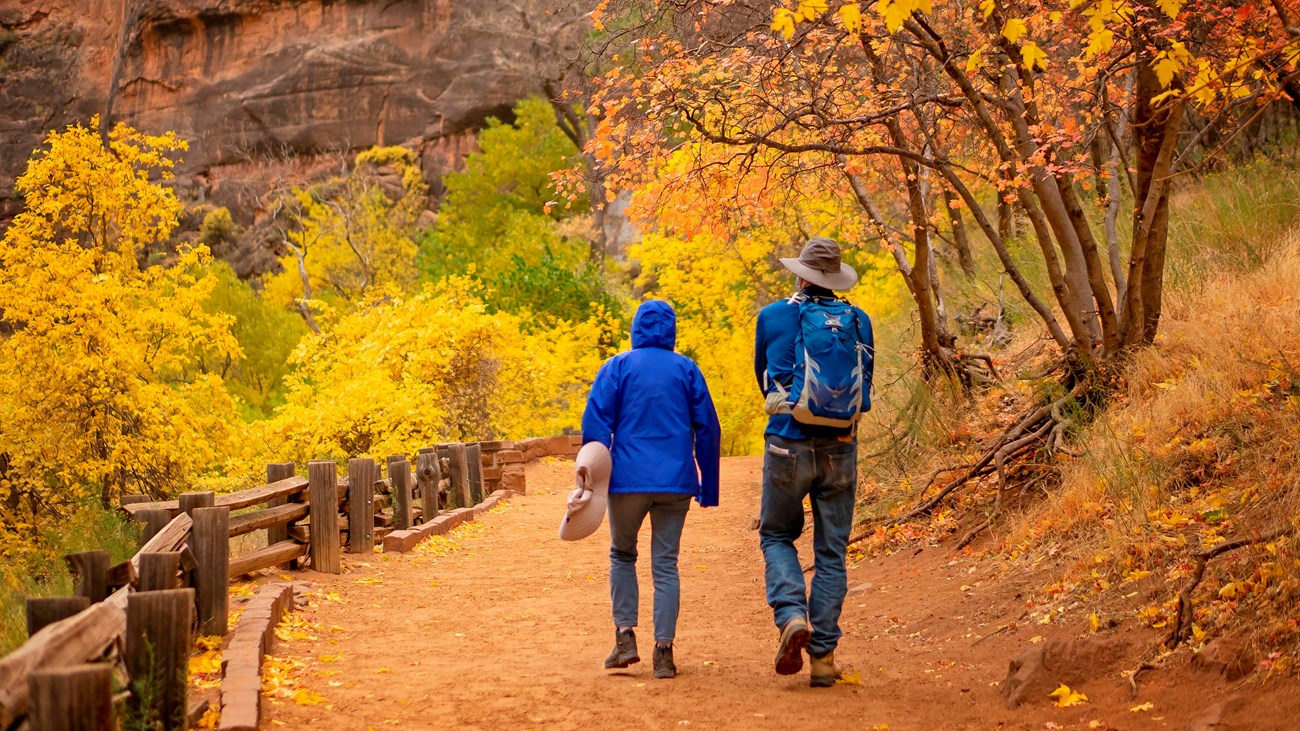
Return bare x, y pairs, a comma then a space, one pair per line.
845, 278
582, 522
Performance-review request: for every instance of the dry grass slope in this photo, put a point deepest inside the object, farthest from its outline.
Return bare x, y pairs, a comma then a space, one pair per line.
1200, 449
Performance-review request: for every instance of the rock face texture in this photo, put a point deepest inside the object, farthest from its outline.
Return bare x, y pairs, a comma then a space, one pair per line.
267, 90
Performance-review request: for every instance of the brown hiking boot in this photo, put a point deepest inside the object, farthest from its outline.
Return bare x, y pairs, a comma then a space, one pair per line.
824, 670
664, 665
789, 655
624, 652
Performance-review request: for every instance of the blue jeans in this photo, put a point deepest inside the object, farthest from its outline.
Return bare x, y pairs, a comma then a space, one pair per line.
825, 469
667, 513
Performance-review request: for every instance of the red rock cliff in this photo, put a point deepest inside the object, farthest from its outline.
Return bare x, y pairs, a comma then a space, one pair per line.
261, 88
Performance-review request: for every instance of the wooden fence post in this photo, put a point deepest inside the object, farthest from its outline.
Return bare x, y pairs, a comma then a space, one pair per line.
48, 610
157, 653
155, 519
399, 474
426, 473
323, 528
133, 499
159, 571
191, 500
361, 505
91, 571
444, 468
212, 579
460, 476
274, 473
474, 460
76, 698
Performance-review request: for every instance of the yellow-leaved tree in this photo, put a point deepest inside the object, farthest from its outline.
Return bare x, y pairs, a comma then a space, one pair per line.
346, 236
105, 384
404, 371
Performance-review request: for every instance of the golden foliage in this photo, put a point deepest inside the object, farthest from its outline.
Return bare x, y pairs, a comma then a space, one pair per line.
405, 371
104, 382
351, 235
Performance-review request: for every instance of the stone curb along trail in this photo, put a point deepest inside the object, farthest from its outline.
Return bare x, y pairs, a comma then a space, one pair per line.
241, 663
400, 541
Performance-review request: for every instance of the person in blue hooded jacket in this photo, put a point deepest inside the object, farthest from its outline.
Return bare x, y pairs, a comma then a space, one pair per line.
652, 408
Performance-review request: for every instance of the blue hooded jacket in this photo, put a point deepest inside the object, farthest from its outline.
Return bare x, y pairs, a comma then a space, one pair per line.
652, 408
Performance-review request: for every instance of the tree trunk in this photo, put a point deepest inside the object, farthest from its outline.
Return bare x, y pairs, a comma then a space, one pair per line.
1155, 136
932, 352
1068, 301
960, 242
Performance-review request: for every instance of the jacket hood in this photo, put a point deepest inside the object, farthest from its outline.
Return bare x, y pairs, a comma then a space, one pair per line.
654, 326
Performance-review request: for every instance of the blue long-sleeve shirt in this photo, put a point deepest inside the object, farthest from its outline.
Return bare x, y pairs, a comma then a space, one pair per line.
774, 361
653, 410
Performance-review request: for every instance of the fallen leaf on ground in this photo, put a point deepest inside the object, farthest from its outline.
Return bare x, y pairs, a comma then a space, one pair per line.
1142, 707
850, 677
211, 718
305, 697
1066, 697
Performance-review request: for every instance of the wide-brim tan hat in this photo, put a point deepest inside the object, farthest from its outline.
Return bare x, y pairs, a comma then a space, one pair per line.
583, 518
820, 264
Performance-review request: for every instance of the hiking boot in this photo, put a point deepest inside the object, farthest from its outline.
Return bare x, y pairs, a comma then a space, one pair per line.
624, 652
664, 665
789, 655
824, 670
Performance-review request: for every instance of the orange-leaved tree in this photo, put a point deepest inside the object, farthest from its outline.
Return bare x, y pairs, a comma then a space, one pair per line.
1054, 108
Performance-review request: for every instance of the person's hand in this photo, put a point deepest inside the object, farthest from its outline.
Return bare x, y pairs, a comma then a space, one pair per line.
579, 497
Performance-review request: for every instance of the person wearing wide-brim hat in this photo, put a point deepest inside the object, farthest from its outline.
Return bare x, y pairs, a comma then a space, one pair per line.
651, 407
807, 459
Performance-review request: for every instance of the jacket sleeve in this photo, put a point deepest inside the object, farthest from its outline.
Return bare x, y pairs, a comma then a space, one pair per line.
600, 418
760, 354
708, 438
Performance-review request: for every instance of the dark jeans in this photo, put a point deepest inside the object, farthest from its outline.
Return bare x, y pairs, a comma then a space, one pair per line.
667, 513
826, 470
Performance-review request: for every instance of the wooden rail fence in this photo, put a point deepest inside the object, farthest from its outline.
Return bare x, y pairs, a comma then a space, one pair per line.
132, 625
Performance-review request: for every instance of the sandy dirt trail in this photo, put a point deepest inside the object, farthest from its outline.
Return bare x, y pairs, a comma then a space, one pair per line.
509, 631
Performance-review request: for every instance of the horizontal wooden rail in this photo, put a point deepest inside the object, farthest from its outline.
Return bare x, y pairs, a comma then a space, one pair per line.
258, 519
265, 558
234, 500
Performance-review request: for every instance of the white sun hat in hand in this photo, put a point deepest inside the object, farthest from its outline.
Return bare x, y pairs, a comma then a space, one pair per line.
588, 501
